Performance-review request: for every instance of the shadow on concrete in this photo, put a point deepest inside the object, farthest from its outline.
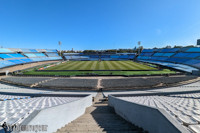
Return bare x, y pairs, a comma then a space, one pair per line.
110, 122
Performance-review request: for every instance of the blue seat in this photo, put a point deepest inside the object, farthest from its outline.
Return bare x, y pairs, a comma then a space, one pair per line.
52, 54
4, 56
30, 55
193, 50
158, 54
15, 55
40, 54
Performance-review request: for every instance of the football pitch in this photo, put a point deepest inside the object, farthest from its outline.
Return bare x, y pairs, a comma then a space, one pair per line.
97, 68
101, 65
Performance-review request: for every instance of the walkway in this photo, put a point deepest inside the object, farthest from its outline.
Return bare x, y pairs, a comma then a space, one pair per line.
100, 118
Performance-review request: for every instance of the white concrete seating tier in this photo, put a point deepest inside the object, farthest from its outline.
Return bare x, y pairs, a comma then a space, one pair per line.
186, 111
11, 97
184, 88
4, 86
191, 95
194, 128
15, 89
15, 111
25, 80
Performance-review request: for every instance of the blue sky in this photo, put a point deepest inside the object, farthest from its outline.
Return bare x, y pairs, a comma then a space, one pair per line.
98, 24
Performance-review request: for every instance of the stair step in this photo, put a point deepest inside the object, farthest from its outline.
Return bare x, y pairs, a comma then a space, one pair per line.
85, 123
99, 132
100, 118
101, 125
80, 132
96, 129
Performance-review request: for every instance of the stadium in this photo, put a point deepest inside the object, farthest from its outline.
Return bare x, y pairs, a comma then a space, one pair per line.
88, 92
99, 66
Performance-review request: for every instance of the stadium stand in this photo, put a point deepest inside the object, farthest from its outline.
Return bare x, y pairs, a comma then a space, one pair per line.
120, 83
11, 56
71, 83
184, 110
185, 59
24, 80
27, 65
52, 82
8, 89
103, 57
172, 80
127, 83
15, 111
149, 82
11, 97
191, 95
19, 104
181, 102
185, 88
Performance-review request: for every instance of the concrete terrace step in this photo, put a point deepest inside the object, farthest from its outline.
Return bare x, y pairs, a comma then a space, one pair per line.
100, 109
78, 132
102, 128
81, 129
100, 118
102, 125
98, 132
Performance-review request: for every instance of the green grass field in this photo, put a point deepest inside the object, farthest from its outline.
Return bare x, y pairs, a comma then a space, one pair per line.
103, 65
92, 67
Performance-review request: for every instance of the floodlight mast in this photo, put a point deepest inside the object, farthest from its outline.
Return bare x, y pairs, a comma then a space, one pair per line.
139, 42
60, 43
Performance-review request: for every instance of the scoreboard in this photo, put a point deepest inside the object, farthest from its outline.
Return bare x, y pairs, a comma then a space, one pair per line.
198, 42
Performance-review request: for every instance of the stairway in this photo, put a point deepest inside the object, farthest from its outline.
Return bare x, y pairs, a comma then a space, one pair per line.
100, 118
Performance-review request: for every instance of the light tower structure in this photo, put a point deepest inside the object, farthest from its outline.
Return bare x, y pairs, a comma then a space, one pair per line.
60, 43
139, 42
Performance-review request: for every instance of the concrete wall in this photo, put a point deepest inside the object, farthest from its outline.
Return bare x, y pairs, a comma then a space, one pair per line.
150, 119
58, 116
